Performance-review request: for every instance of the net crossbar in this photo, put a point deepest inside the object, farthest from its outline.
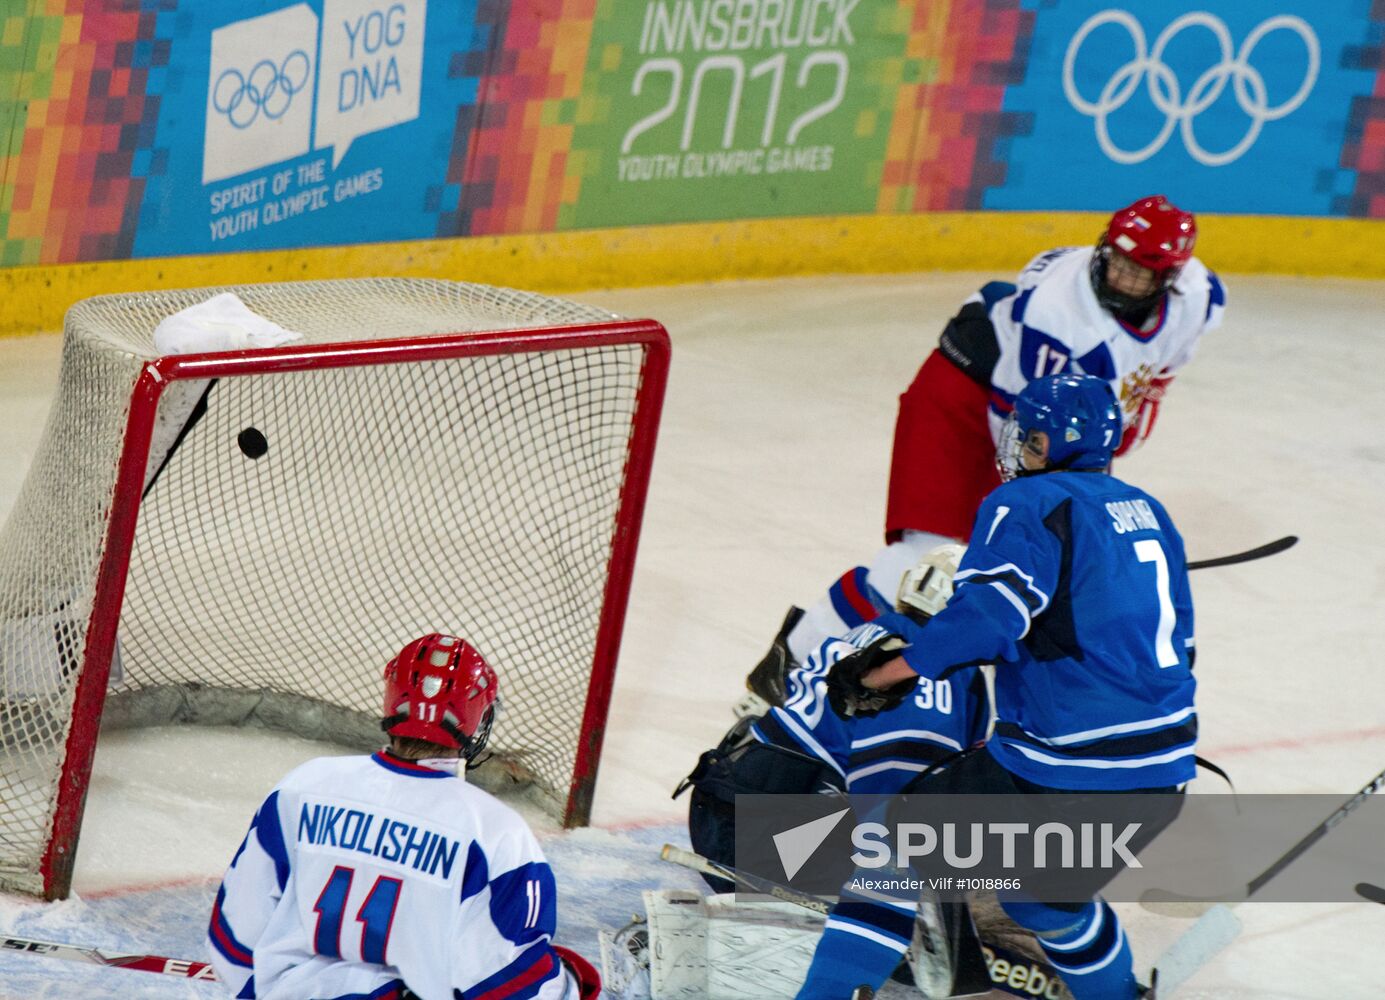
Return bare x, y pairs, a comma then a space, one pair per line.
249, 537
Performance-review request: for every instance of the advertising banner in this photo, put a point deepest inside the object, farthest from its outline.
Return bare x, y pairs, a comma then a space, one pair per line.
330, 122
1228, 107
720, 109
151, 128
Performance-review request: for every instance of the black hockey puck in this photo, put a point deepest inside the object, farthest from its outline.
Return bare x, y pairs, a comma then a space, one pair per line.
252, 443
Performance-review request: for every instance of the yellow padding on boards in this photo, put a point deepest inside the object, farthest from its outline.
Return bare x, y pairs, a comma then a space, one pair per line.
35, 298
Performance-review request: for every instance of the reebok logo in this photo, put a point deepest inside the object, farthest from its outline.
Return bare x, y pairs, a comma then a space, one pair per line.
796, 845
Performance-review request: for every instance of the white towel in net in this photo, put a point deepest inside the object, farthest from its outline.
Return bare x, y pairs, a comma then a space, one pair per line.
222, 323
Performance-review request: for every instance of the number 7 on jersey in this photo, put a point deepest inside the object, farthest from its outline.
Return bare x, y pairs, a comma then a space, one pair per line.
1149, 550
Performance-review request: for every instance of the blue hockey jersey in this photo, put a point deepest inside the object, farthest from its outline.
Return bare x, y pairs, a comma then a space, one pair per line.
360, 875
882, 753
1075, 585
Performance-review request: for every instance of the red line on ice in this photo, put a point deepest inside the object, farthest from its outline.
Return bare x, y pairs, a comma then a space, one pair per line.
130, 890
1297, 742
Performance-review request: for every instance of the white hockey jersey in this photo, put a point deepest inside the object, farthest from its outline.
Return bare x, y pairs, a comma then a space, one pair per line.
361, 875
1050, 322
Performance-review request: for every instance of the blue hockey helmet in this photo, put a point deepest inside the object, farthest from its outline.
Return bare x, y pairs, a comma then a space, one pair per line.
1077, 413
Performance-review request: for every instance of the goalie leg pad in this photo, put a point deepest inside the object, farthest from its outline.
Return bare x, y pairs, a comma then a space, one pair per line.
888, 566
721, 948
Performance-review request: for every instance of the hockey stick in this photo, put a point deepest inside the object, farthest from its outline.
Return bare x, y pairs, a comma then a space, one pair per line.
114, 959
1017, 984
1195, 947
1268, 549
1374, 893
199, 410
1284, 860
706, 866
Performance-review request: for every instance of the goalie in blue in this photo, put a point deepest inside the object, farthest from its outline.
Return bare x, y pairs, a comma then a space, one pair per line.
1075, 586
826, 737
389, 877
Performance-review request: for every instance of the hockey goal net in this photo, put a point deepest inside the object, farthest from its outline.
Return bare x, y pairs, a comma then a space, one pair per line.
430, 456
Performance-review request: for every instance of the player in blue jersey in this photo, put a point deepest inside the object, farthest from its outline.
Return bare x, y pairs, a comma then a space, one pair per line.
388, 876
1075, 585
1131, 310
805, 745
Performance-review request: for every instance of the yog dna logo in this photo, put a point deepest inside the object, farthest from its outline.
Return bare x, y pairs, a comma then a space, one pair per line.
1236, 67
281, 84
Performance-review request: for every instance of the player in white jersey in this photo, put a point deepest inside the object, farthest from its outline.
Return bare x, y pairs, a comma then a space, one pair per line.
1130, 310
389, 877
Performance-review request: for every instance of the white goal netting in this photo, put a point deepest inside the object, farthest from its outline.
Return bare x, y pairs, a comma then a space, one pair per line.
418, 486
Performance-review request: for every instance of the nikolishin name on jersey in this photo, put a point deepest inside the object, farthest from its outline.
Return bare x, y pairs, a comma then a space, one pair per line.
394, 840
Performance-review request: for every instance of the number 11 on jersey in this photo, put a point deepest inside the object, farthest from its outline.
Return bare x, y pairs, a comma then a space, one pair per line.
376, 915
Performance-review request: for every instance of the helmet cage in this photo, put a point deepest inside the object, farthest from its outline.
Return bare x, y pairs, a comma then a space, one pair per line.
1077, 413
1151, 233
1120, 303
1007, 451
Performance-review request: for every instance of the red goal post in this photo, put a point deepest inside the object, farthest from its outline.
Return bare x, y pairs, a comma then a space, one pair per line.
489, 481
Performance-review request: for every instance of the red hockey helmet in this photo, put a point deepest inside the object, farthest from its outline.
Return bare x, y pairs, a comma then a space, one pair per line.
440, 689
1155, 234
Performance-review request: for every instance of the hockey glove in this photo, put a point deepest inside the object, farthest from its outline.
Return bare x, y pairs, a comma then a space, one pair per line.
583, 973
1143, 422
846, 689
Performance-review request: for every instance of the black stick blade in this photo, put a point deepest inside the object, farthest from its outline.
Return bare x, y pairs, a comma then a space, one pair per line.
1268, 549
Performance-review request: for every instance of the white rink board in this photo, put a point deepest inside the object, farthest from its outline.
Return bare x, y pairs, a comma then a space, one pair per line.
768, 482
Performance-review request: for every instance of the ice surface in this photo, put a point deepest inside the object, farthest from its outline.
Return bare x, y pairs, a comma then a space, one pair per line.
769, 481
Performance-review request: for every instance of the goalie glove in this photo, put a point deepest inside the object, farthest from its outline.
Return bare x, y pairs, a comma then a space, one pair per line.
846, 689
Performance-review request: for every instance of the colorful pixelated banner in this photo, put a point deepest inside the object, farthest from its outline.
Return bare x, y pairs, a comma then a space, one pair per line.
156, 127
142, 128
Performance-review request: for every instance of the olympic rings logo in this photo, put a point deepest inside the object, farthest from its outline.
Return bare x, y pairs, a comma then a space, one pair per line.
1164, 91
266, 89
